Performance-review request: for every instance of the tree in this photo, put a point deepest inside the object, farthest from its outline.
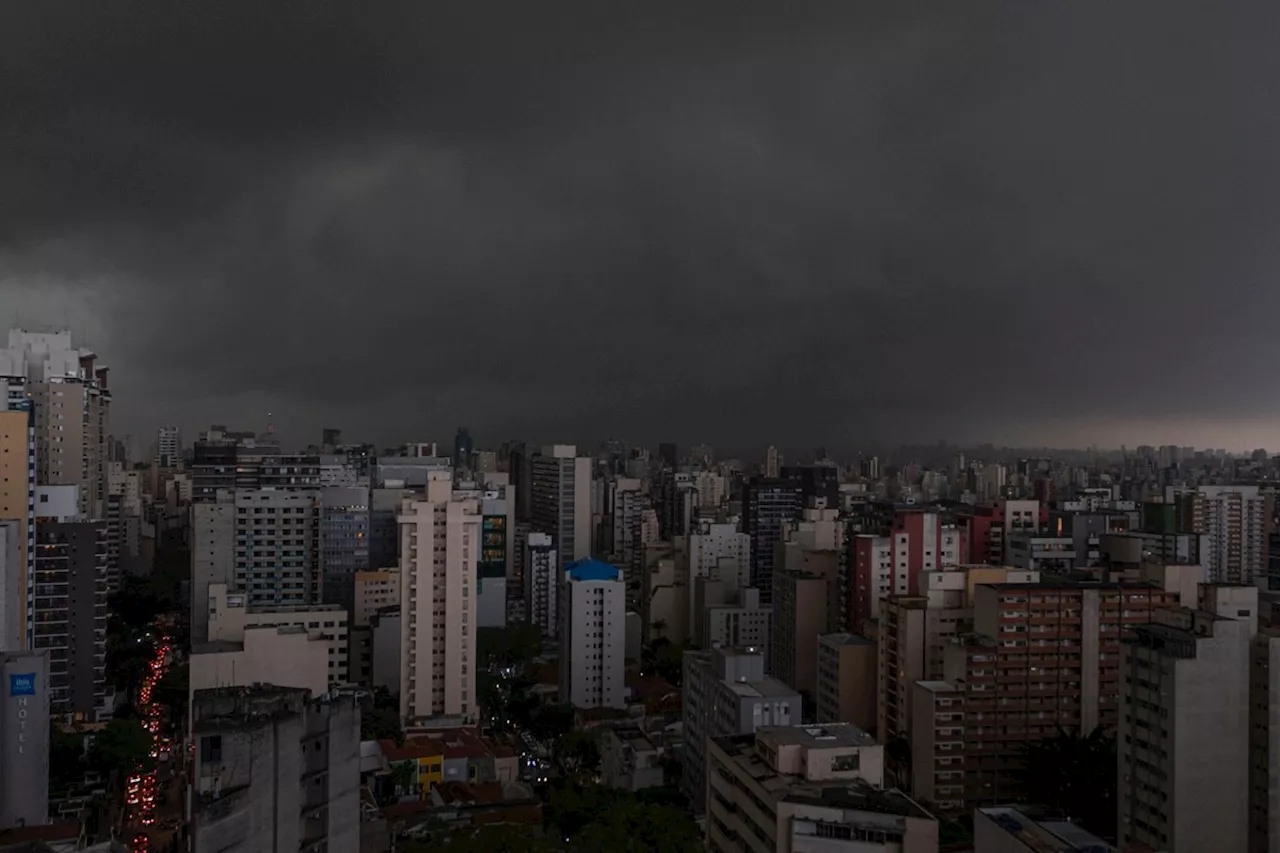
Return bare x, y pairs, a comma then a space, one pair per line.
548, 722
1076, 775
578, 754
632, 826
658, 626
66, 760
381, 724
124, 745
496, 838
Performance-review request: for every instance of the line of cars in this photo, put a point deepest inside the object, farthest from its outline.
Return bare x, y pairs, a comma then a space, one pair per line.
140, 797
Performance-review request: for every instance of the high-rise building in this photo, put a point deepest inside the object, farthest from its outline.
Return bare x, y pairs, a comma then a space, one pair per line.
344, 542
168, 447
275, 769
768, 505
439, 548
1237, 520
800, 616
561, 500
847, 680
222, 459
24, 739
262, 542
669, 454
71, 404
462, 449
542, 576
70, 611
18, 505
917, 541
592, 617
726, 692
772, 462
1183, 733
1042, 657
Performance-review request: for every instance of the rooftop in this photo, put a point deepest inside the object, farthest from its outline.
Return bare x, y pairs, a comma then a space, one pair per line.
591, 569
845, 640
767, 687
825, 736
937, 686
1045, 834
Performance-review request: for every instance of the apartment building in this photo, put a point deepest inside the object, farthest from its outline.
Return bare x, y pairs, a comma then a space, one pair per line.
628, 759
731, 619
717, 550
70, 403
1183, 732
1021, 829
592, 631
726, 692
560, 495
375, 590
222, 459
262, 542
275, 769
918, 541
805, 789
232, 614
1043, 657
542, 576
439, 547
17, 505
1238, 522
768, 506
847, 680
801, 614
69, 607
342, 526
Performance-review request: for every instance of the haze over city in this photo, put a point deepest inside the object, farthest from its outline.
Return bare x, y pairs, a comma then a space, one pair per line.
832, 223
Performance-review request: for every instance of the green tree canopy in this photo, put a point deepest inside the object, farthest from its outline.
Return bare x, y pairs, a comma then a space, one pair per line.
1076, 775
124, 745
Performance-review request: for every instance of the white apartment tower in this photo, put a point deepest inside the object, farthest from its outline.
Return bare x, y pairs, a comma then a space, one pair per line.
1183, 734
68, 393
168, 447
592, 614
439, 547
1237, 520
541, 583
560, 500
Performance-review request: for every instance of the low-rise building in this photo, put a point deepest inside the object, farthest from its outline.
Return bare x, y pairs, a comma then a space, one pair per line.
809, 789
231, 616
629, 761
1019, 829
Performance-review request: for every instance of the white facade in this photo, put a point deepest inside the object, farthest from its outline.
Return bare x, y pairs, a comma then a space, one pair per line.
168, 447
1183, 734
541, 583
1236, 520
439, 547
281, 655
592, 613
717, 550
126, 484
375, 590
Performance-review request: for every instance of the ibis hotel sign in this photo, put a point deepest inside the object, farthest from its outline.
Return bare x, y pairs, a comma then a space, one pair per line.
24, 738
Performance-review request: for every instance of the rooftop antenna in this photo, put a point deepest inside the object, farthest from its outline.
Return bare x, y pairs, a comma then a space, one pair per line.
271, 427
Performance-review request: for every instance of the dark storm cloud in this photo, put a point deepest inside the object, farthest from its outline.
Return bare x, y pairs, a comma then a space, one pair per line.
744, 222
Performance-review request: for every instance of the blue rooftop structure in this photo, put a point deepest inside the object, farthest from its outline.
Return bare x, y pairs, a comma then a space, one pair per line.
592, 569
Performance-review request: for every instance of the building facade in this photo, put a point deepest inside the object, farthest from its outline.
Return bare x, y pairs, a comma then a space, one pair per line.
439, 549
592, 632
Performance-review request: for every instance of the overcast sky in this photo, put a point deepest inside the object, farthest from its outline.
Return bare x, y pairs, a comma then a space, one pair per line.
734, 222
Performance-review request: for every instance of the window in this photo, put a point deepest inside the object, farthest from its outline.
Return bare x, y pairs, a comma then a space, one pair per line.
211, 749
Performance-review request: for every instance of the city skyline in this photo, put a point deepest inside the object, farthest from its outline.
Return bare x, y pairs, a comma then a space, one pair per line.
893, 225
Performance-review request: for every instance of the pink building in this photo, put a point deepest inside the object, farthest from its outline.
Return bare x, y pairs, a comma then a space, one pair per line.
918, 541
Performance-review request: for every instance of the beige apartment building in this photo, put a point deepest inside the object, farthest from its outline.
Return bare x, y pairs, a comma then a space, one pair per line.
17, 505
375, 590
801, 613
71, 404
439, 546
241, 652
809, 789
847, 680
914, 631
